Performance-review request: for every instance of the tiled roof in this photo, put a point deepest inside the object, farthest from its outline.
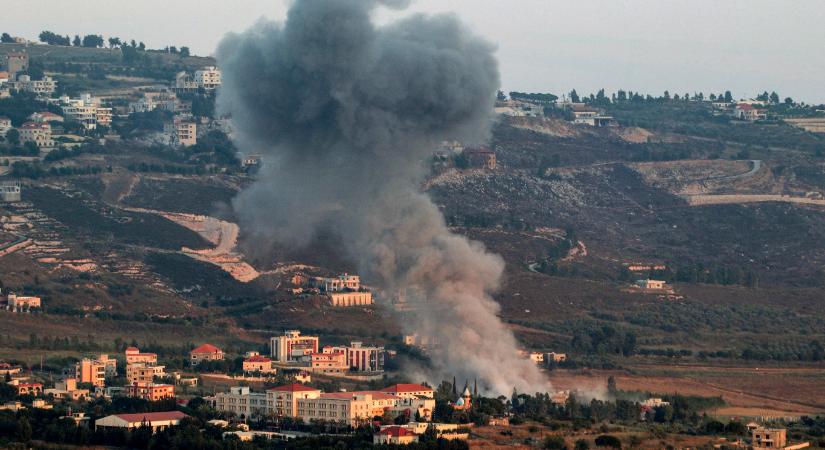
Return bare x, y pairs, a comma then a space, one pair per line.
207, 348
294, 387
257, 359
152, 416
376, 395
407, 388
396, 431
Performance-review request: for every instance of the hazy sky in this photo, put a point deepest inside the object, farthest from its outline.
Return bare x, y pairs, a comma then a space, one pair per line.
746, 46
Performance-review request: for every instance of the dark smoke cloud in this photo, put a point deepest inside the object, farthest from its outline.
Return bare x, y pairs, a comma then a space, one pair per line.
345, 113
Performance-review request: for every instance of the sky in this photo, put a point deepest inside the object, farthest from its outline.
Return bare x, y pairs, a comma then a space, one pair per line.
745, 46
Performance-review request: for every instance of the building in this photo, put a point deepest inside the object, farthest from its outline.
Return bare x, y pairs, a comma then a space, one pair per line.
352, 408
152, 100
150, 391
185, 83
10, 191
395, 435
283, 400
652, 285
38, 132
133, 355
585, 115
415, 401
464, 402
95, 371
45, 116
8, 369
87, 111
329, 363
480, 158
14, 302
156, 420
409, 391
5, 125
181, 131
67, 390
44, 87
345, 299
15, 62
772, 439
208, 78
749, 112
257, 363
34, 389
361, 358
143, 372
206, 352
242, 402
292, 347
536, 357
555, 357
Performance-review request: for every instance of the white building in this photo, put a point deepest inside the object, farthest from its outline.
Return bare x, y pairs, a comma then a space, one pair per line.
242, 402
292, 347
86, 110
10, 191
361, 358
208, 78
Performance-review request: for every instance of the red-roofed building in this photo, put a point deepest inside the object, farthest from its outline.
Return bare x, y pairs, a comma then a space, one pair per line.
45, 116
745, 111
258, 363
394, 434
206, 352
156, 420
409, 390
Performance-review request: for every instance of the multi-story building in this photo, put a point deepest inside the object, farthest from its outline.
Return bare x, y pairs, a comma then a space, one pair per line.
333, 362
150, 391
292, 347
206, 352
185, 83
361, 358
143, 373
38, 132
241, 401
20, 303
352, 408
353, 298
409, 391
208, 78
15, 62
258, 363
87, 110
181, 131
413, 400
44, 87
133, 355
283, 400
152, 100
67, 389
95, 371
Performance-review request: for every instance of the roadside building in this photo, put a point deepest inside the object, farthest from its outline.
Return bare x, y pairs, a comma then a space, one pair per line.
206, 352
38, 132
292, 347
394, 435
156, 420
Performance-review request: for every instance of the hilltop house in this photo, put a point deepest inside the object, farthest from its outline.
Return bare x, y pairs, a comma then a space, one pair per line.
206, 352
38, 132
749, 112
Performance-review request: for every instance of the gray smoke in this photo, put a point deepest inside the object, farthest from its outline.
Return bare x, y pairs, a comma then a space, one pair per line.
346, 114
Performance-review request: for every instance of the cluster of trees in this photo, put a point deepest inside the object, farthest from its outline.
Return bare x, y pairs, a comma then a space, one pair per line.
600, 98
6, 38
603, 339
23, 169
535, 97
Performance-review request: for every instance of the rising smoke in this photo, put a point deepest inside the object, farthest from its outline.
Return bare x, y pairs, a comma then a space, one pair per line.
346, 114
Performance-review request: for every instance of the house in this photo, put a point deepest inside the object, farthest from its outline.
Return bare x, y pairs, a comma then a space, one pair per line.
10, 191
67, 390
150, 391
360, 357
87, 111
4, 77
38, 132
480, 158
773, 439
155, 420
749, 112
208, 78
536, 357
292, 347
414, 400
258, 363
395, 435
45, 116
343, 290
8, 369
134, 355
5, 125
15, 62
560, 397
14, 302
585, 115
152, 100
206, 352
653, 286
555, 357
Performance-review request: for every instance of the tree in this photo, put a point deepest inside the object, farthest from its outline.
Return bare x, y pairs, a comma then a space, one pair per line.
611, 385
172, 49
6, 38
607, 440
92, 41
184, 51
764, 97
581, 444
76, 41
141, 46
574, 97
24, 430
774, 98
53, 38
788, 101
555, 443
13, 136
728, 97
114, 42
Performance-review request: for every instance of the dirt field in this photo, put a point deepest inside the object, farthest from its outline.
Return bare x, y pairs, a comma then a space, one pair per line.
753, 391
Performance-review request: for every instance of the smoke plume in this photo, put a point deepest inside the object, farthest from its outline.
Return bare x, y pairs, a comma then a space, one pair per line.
346, 114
